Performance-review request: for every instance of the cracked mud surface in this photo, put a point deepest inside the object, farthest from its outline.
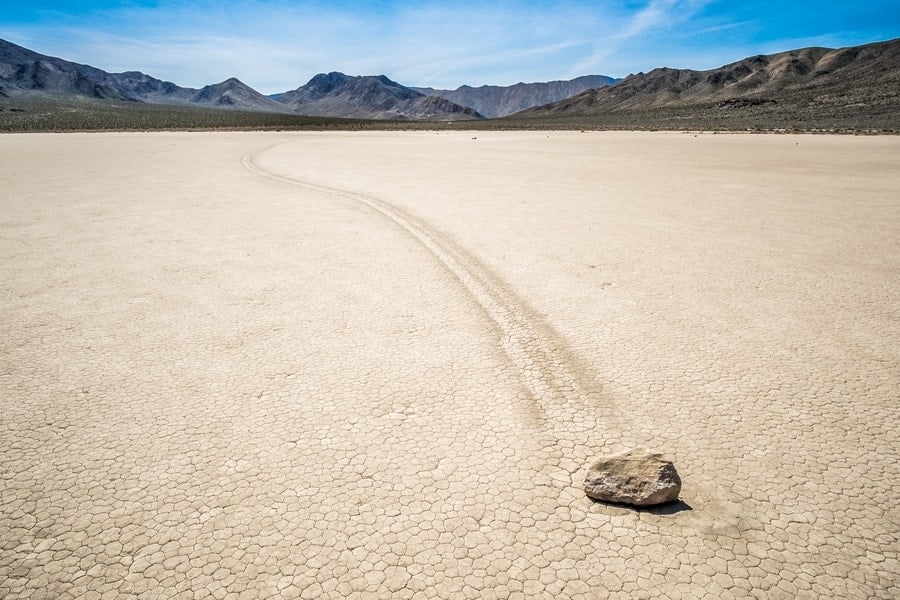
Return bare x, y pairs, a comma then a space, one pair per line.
377, 365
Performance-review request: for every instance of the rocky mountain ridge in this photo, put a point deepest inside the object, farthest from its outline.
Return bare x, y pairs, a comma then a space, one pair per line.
24, 72
499, 101
793, 87
370, 97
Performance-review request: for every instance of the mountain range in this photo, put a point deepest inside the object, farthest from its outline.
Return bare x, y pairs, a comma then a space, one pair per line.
371, 97
811, 88
499, 101
806, 84
24, 72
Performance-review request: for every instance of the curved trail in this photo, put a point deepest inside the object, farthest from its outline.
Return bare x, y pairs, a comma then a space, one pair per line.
557, 397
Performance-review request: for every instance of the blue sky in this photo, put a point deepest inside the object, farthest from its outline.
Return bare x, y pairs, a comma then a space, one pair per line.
277, 45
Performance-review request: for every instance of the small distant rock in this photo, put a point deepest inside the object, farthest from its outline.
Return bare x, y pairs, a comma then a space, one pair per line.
637, 477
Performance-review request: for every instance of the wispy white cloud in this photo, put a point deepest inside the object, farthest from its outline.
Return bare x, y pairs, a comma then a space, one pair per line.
652, 15
664, 15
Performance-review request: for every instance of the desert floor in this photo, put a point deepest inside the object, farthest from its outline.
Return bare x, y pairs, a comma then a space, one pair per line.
246, 365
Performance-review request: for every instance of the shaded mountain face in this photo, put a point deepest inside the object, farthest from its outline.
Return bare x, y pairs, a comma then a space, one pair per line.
499, 101
24, 72
233, 93
144, 88
807, 83
369, 97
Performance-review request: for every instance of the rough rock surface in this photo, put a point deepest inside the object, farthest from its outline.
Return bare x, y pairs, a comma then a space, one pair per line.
635, 477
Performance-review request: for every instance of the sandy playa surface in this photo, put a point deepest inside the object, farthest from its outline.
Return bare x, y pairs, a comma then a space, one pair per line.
300, 365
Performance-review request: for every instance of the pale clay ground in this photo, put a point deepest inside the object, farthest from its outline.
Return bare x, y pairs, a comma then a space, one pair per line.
249, 365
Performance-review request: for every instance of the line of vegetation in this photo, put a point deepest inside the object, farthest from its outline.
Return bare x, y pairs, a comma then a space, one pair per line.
51, 115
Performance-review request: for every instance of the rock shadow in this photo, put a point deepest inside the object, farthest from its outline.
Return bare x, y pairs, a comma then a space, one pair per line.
669, 508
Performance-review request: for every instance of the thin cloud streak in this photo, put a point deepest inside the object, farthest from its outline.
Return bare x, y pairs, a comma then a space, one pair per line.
657, 14
652, 15
448, 65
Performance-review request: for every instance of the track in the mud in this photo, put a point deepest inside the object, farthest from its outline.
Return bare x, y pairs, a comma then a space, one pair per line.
561, 401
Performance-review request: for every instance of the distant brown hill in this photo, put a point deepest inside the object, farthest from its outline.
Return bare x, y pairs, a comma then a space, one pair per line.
855, 85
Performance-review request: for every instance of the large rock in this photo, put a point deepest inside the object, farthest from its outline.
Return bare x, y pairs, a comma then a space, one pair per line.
634, 477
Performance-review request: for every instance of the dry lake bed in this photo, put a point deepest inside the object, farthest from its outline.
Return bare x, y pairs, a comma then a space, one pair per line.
377, 365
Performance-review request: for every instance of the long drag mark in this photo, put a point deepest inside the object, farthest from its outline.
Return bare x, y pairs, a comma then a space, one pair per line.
537, 354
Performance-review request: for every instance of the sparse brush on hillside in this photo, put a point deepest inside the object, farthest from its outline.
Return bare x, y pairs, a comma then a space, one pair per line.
33, 114
17, 115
